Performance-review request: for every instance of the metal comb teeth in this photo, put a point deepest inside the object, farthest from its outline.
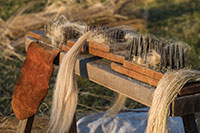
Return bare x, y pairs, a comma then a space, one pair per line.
112, 35
171, 55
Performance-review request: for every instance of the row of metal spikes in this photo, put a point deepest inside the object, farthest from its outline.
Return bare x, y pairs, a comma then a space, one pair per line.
172, 55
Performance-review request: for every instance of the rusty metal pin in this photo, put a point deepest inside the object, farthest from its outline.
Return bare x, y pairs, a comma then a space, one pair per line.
181, 56
131, 49
177, 57
171, 53
161, 59
145, 48
140, 46
166, 56
135, 47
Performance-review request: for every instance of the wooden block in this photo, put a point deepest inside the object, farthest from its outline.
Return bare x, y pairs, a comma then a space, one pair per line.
40, 35
133, 74
99, 46
28, 41
190, 125
109, 56
186, 105
143, 70
190, 88
65, 48
71, 43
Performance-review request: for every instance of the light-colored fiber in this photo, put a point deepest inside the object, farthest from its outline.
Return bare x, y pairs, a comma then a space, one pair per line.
65, 93
166, 91
117, 106
153, 59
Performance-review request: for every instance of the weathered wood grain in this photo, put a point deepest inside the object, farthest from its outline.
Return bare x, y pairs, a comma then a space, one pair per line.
143, 70
186, 105
99, 71
99, 46
133, 74
190, 88
190, 125
109, 56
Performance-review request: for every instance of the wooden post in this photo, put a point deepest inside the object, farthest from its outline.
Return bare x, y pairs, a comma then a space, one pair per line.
189, 124
25, 125
73, 128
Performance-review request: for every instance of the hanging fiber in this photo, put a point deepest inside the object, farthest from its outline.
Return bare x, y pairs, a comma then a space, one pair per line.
66, 93
167, 90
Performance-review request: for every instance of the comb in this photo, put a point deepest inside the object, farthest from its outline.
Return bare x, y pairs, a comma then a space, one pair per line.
131, 53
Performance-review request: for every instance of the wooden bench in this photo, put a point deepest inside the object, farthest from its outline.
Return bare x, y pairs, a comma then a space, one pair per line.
99, 70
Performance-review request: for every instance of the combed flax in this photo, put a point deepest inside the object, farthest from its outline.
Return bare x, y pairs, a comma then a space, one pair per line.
66, 93
167, 90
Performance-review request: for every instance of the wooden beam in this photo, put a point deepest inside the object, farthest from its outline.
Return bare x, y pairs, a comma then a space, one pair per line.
143, 70
186, 105
99, 71
133, 74
40, 35
190, 88
71, 43
190, 125
99, 46
109, 56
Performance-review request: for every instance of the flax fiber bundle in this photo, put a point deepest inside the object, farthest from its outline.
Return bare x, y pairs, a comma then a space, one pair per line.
66, 92
166, 91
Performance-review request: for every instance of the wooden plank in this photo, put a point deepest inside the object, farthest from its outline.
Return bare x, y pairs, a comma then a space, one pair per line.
25, 126
99, 71
186, 105
99, 46
109, 56
28, 41
143, 70
190, 88
39, 35
190, 125
65, 48
71, 43
133, 74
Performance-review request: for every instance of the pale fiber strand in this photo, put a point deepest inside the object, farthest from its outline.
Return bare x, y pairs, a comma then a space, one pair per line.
117, 106
66, 93
167, 90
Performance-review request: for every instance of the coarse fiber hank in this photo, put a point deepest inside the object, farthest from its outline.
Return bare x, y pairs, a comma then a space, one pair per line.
66, 92
167, 90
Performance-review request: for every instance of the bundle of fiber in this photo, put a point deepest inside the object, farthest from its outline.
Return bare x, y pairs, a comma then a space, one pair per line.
66, 92
167, 90
33, 84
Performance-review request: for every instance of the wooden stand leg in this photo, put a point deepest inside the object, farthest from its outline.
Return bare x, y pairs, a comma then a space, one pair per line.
73, 128
189, 124
25, 126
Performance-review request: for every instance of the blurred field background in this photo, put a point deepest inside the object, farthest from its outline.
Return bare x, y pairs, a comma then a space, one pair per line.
170, 19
